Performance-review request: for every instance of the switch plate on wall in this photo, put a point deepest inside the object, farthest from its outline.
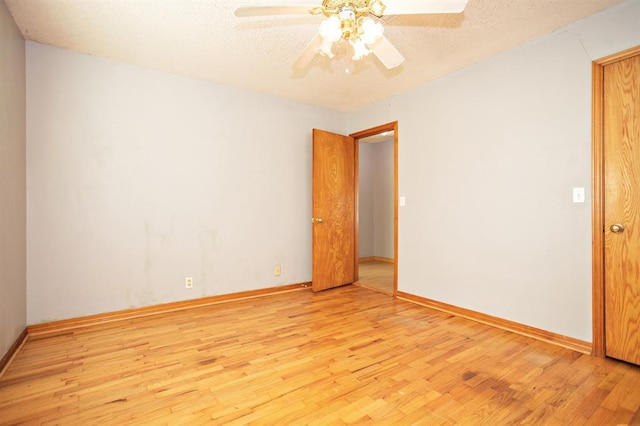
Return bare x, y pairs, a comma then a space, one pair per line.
578, 195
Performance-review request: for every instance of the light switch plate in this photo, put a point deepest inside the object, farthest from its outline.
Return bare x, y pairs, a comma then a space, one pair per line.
403, 201
578, 195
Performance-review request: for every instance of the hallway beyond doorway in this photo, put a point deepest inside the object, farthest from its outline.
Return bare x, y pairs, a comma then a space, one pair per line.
376, 275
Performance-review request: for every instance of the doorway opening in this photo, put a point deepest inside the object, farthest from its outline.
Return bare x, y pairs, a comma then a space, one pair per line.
376, 241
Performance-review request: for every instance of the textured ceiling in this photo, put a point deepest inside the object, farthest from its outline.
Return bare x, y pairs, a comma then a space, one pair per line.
204, 39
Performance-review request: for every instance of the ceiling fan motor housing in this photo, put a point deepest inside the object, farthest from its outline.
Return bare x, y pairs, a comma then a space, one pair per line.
375, 7
359, 7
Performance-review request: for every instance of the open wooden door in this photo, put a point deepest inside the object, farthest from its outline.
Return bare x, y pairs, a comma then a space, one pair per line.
621, 136
333, 210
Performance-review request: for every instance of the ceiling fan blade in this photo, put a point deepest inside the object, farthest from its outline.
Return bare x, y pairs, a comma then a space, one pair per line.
388, 55
419, 7
244, 12
308, 53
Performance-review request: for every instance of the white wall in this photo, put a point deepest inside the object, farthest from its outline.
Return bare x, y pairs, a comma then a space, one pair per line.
383, 199
375, 233
13, 280
138, 179
488, 157
365, 199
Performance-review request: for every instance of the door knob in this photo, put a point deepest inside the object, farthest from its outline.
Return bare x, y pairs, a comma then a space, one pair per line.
316, 220
617, 228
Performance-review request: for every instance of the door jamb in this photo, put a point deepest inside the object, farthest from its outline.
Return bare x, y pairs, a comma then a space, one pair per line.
392, 126
597, 198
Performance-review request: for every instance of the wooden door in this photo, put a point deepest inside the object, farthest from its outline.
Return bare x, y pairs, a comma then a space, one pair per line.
333, 210
621, 134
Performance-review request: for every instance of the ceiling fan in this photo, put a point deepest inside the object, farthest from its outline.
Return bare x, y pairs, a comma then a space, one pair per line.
356, 22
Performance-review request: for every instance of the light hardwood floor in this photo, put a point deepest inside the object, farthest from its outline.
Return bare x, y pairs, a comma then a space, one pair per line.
376, 275
340, 356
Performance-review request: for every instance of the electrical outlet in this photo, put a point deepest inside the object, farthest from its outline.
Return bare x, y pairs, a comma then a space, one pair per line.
277, 271
188, 282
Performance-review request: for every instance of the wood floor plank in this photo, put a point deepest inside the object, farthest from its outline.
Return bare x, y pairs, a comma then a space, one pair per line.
347, 355
376, 275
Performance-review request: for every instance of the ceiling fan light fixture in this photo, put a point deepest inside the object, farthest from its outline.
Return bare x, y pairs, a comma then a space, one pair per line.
360, 50
359, 31
347, 12
330, 30
347, 16
371, 31
376, 8
325, 48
